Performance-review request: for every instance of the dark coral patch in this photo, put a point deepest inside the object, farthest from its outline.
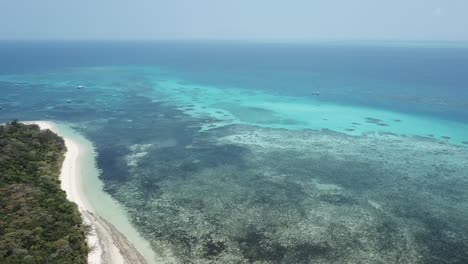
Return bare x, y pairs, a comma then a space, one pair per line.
376, 121
213, 249
373, 120
382, 124
388, 134
337, 199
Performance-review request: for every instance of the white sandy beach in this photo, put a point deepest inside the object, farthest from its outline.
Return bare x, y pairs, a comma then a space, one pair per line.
112, 239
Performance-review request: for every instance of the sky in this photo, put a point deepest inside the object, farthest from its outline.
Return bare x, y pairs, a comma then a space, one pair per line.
301, 20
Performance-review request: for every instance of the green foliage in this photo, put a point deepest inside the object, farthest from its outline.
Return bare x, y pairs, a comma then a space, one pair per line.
37, 223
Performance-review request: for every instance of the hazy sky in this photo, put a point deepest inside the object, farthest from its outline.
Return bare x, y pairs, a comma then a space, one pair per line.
235, 19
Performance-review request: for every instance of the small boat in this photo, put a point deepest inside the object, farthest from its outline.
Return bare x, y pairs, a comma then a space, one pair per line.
68, 101
79, 86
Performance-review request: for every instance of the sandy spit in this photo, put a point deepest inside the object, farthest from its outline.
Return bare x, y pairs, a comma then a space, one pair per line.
107, 244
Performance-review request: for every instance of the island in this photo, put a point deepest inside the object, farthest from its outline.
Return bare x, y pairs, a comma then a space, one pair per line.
37, 222
53, 208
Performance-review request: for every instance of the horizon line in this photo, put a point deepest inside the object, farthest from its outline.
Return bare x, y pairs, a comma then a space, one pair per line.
267, 40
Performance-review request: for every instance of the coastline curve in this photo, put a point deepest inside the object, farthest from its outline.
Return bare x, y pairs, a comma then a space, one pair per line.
112, 238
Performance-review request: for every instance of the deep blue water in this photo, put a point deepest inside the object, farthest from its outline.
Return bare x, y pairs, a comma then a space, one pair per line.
431, 80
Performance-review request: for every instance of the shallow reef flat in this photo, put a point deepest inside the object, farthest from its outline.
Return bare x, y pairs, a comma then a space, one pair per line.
221, 175
82, 92
245, 194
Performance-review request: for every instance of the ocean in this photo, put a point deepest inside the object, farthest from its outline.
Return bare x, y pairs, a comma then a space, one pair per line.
231, 152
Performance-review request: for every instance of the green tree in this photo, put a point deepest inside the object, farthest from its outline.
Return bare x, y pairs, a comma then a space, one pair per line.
37, 223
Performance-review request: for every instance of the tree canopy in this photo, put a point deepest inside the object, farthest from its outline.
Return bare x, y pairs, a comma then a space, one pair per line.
37, 222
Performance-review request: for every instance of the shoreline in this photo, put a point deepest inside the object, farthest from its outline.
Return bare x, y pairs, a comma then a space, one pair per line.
112, 238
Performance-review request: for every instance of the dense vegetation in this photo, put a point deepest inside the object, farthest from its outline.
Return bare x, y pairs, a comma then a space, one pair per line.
37, 223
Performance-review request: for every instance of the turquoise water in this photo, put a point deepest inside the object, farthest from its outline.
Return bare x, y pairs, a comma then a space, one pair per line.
234, 105
266, 153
